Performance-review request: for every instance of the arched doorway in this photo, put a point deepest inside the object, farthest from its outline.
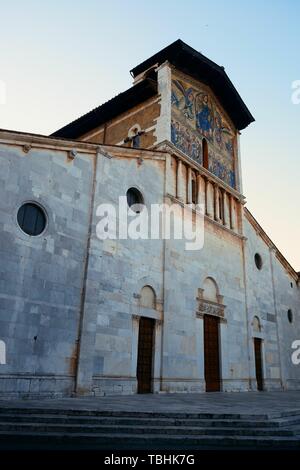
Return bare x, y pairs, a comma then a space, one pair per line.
211, 353
258, 354
211, 309
145, 355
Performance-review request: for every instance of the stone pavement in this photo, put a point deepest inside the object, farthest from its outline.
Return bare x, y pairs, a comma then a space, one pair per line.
254, 403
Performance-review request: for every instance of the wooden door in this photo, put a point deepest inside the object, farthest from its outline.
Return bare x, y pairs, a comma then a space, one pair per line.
211, 353
258, 363
145, 355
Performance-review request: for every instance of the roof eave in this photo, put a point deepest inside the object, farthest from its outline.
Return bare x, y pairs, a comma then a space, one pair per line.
178, 54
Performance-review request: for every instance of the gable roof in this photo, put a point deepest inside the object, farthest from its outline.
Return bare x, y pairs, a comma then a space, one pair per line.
109, 110
186, 59
195, 64
252, 220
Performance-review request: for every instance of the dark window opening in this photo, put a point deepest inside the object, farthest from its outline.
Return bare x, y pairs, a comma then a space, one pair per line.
194, 192
290, 315
31, 219
136, 140
135, 199
205, 153
220, 207
258, 261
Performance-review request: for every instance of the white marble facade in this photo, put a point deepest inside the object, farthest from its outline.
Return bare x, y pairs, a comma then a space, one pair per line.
71, 304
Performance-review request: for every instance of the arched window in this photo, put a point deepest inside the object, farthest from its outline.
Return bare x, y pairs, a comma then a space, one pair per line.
258, 261
256, 324
211, 291
205, 153
148, 297
135, 200
134, 136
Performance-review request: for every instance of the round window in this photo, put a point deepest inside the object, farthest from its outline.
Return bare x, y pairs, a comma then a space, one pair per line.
135, 199
290, 315
31, 219
258, 261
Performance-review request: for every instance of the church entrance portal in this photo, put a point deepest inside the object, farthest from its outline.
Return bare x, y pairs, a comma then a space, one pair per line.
258, 363
211, 353
145, 355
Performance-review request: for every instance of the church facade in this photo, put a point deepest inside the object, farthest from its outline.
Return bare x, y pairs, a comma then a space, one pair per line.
80, 315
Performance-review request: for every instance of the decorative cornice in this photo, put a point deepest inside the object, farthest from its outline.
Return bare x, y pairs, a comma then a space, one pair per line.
25, 139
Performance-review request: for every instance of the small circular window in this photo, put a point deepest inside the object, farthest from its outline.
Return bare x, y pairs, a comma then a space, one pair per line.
258, 261
290, 315
31, 219
135, 199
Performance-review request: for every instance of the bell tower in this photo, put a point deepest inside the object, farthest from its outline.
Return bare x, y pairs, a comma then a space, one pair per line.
201, 112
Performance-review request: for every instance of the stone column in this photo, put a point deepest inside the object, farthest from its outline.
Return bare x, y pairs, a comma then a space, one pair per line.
209, 199
189, 186
217, 203
201, 191
163, 125
180, 186
170, 183
232, 213
225, 209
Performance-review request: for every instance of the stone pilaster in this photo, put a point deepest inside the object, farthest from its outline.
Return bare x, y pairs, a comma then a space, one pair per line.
209, 199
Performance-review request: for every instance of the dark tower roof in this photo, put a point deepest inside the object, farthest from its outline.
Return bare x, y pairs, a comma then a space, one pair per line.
195, 64
186, 59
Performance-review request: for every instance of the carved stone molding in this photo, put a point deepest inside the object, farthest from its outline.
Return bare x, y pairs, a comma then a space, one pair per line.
207, 307
26, 148
102, 152
200, 294
159, 322
201, 316
72, 154
136, 318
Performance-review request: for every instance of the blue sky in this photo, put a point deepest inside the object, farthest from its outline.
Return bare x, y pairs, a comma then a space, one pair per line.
59, 59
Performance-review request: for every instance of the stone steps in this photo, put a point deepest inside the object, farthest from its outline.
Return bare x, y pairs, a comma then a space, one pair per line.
142, 441
136, 414
107, 420
121, 429
106, 429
